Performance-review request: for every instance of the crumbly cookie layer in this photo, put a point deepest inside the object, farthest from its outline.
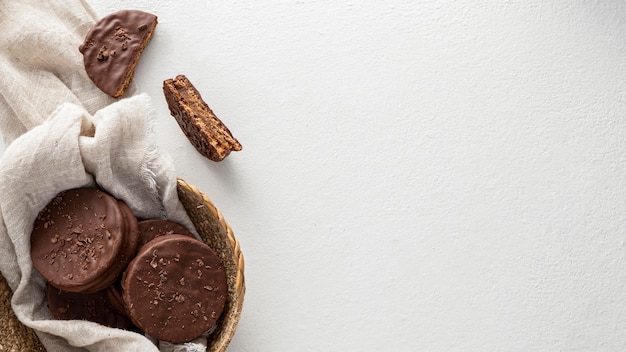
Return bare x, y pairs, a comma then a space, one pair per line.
206, 132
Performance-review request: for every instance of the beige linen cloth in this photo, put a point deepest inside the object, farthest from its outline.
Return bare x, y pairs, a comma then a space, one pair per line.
62, 133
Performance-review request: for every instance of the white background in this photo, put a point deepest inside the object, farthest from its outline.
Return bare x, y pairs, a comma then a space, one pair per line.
415, 175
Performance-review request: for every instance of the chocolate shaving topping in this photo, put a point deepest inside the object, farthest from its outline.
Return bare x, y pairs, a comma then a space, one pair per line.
103, 54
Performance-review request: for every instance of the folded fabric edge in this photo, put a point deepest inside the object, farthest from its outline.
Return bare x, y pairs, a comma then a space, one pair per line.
46, 329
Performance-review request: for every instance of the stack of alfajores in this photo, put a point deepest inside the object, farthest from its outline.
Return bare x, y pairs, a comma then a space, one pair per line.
103, 265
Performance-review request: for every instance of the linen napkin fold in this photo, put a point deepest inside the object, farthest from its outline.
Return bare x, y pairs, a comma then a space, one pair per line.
40, 64
62, 132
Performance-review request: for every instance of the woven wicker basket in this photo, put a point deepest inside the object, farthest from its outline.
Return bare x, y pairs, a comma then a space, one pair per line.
213, 229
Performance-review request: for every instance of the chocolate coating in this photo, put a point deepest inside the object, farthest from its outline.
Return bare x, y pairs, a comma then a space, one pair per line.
175, 289
129, 246
76, 240
93, 307
113, 46
131, 238
153, 228
114, 296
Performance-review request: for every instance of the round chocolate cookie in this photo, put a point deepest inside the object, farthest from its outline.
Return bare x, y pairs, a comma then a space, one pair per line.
77, 239
93, 307
175, 289
153, 228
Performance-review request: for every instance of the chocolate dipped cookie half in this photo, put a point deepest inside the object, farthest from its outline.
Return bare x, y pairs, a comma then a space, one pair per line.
206, 132
113, 47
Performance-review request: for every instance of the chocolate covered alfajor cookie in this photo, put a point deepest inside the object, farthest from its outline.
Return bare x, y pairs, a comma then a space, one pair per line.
113, 294
77, 240
94, 307
153, 228
175, 289
131, 239
113, 47
206, 132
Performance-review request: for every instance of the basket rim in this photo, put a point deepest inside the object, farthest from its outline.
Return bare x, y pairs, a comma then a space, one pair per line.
236, 281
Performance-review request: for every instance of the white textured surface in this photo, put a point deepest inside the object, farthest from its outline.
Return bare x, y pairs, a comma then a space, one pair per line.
416, 176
